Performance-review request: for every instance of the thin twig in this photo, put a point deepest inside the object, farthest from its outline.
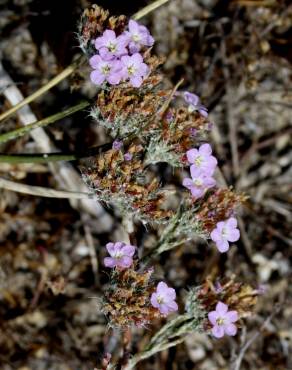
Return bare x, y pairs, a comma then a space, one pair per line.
72, 67
237, 364
60, 77
42, 123
53, 157
43, 191
149, 8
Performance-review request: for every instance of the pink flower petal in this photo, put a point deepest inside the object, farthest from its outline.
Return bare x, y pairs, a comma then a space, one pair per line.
231, 222
136, 81
125, 262
230, 329
222, 245
233, 235
191, 155
111, 248
187, 182
232, 316
128, 250
162, 287
154, 301
205, 149
94, 61
216, 235
172, 306
212, 316
109, 262
97, 78
218, 331
221, 308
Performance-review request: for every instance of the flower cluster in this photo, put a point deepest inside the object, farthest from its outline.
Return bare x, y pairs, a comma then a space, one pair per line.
149, 126
203, 165
118, 57
132, 292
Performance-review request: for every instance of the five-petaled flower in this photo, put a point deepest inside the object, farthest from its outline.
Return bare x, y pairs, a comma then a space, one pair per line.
223, 320
121, 255
109, 71
164, 299
199, 183
110, 46
138, 36
203, 159
194, 104
134, 69
225, 231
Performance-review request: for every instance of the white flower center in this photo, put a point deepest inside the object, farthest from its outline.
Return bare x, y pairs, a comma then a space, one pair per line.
112, 47
198, 160
105, 69
220, 321
191, 108
136, 37
118, 255
131, 70
198, 182
160, 299
224, 232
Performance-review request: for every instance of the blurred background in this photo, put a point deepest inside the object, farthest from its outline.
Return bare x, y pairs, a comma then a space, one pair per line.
236, 55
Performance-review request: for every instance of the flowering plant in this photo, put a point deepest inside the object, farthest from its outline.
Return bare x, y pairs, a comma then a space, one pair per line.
150, 124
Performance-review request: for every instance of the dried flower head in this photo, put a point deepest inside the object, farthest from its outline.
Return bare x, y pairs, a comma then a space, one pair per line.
219, 205
124, 184
127, 298
94, 21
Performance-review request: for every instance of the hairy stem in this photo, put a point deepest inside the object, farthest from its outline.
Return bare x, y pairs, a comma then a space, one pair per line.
42, 123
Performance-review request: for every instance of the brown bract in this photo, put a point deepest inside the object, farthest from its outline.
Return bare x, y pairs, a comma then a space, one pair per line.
127, 301
219, 206
238, 296
115, 179
94, 21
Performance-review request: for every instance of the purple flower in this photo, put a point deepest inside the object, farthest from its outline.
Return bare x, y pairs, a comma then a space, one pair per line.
222, 320
128, 156
109, 71
117, 144
134, 69
194, 104
110, 46
225, 231
120, 255
164, 299
203, 159
138, 36
199, 182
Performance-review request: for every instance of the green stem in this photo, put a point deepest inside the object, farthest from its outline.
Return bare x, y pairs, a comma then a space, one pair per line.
60, 77
43, 122
52, 157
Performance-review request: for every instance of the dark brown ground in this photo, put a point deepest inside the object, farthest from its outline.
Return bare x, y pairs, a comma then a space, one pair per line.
237, 56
